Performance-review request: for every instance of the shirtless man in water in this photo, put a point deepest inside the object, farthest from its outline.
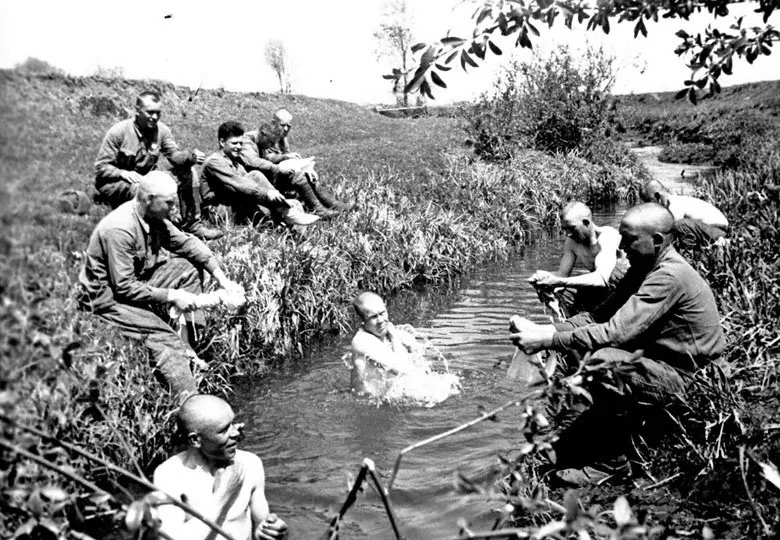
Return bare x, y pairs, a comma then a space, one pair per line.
696, 222
225, 484
596, 248
378, 343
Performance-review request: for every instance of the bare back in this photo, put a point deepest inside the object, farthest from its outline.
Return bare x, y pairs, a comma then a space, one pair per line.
686, 207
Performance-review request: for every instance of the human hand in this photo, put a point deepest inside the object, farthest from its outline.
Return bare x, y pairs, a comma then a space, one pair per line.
131, 177
197, 157
274, 196
271, 528
292, 155
529, 336
182, 300
544, 278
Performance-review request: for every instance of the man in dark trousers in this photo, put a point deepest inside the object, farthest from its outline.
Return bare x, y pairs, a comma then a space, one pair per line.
659, 326
132, 148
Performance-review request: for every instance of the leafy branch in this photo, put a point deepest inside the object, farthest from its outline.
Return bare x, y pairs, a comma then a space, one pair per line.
711, 53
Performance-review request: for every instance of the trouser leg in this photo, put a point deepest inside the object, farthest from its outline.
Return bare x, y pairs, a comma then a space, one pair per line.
170, 354
602, 431
115, 193
189, 193
179, 273
692, 233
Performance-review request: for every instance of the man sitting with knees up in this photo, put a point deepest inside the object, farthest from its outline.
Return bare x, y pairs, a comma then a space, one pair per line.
128, 281
226, 181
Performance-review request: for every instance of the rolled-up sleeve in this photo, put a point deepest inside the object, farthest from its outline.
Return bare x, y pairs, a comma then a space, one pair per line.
119, 247
643, 309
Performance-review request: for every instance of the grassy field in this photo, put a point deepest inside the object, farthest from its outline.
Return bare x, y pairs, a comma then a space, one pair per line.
712, 131
425, 214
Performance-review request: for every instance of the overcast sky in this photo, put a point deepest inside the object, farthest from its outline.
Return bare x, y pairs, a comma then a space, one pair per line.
330, 43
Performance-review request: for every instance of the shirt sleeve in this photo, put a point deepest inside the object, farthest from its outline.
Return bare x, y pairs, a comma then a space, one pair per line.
651, 302
170, 149
221, 172
189, 247
252, 159
119, 248
105, 167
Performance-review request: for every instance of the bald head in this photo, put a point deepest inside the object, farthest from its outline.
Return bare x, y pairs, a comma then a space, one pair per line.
366, 300
157, 183
652, 191
576, 210
201, 412
650, 217
283, 116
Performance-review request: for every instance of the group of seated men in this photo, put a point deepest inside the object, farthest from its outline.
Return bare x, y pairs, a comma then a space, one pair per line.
254, 173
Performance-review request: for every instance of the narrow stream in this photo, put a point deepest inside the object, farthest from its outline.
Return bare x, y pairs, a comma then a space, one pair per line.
313, 433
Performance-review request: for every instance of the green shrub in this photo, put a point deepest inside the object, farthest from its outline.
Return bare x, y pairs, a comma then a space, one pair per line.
553, 105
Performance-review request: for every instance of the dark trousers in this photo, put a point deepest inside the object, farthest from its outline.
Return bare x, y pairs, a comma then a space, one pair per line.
118, 192
171, 355
242, 199
602, 431
692, 233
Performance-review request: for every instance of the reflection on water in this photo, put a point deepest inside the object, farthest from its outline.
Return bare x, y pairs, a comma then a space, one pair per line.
313, 433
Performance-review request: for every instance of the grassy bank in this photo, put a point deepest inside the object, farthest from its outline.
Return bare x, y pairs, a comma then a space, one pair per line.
716, 131
425, 213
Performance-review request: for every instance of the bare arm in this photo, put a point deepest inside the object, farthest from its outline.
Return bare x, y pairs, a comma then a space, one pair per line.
266, 526
604, 263
548, 279
366, 346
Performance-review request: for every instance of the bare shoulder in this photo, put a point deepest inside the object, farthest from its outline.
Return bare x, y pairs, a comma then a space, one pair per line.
608, 236
171, 467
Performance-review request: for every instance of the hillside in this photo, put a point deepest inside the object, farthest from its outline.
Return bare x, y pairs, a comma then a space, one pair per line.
52, 126
708, 132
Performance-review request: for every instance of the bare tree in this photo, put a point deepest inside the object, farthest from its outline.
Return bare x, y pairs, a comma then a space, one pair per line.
276, 58
395, 40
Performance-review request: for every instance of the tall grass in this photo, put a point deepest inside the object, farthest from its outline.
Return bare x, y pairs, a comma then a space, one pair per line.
425, 214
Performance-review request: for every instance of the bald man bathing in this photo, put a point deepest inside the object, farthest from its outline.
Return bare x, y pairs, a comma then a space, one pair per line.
225, 484
658, 327
594, 247
378, 344
697, 222
128, 281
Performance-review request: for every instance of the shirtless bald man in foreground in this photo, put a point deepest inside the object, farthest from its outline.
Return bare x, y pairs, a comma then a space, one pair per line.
696, 221
594, 247
225, 484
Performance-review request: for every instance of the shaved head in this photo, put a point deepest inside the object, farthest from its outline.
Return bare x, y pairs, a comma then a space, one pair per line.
651, 189
157, 183
283, 116
201, 411
364, 300
650, 217
576, 210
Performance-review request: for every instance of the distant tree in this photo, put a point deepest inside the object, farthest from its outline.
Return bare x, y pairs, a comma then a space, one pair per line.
709, 54
276, 58
36, 65
395, 39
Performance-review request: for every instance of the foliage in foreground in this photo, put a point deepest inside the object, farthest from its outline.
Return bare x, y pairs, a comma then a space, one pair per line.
709, 54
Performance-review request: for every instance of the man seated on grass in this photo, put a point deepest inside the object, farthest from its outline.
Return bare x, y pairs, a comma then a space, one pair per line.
659, 326
378, 344
223, 483
132, 148
227, 182
128, 280
697, 222
266, 150
594, 247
